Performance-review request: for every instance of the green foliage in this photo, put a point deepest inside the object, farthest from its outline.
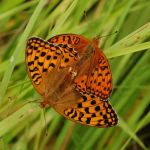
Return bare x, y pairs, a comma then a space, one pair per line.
22, 125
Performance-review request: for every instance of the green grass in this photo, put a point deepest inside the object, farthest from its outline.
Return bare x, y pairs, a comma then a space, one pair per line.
22, 125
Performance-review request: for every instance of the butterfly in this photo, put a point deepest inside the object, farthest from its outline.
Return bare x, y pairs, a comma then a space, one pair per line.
73, 76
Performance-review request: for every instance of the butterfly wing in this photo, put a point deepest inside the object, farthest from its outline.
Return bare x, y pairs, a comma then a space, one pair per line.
95, 70
78, 42
35, 58
43, 59
84, 108
96, 78
88, 110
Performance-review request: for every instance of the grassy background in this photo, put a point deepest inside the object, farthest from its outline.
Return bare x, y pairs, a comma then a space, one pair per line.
22, 125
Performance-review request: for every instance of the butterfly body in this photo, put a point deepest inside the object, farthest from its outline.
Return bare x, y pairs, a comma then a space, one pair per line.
73, 76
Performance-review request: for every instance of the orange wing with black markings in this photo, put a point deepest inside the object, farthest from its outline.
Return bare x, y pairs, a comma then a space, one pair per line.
97, 78
43, 57
95, 67
78, 42
73, 76
89, 110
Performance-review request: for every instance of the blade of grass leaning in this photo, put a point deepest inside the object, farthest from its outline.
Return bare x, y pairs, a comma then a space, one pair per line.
17, 9
135, 37
127, 50
51, 130
63, 18
126, 129
16, 117
121, 19
142, 123
49, 20
20, 46
62, 135
133, 119
2, 144
6, 5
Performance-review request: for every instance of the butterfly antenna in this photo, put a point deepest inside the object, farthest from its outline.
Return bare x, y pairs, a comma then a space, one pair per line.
98, 36
32, 101
88, 24
43, 113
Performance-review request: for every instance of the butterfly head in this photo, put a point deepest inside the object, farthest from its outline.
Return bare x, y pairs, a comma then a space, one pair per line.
95, 41
45, 104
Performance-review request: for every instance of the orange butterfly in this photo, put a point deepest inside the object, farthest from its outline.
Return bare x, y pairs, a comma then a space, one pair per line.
73, 76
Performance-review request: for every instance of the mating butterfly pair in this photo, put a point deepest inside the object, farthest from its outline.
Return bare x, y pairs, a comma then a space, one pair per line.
73, 76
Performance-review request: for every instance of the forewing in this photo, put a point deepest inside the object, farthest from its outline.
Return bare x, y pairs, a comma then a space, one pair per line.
41, 58
77, 42
44, 58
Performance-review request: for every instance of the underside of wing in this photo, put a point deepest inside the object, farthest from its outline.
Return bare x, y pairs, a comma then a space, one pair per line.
37, 54
96, 78
90, 111
78, 42
44, 59
93, 70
